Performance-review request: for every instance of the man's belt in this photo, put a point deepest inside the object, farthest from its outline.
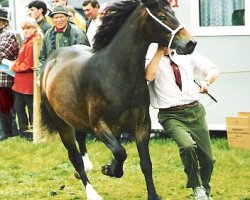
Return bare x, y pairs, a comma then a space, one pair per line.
181, 107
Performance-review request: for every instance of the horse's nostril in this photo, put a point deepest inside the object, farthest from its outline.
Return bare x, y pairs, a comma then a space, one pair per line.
191, 45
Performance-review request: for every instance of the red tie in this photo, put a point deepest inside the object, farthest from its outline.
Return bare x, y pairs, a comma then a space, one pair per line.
177, 74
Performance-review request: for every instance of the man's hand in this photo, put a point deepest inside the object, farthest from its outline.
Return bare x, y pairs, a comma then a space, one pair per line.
204, 87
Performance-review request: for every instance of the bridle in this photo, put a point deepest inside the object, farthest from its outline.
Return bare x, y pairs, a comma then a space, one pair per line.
173, 32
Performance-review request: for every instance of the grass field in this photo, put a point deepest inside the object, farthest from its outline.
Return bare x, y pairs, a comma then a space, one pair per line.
43, 171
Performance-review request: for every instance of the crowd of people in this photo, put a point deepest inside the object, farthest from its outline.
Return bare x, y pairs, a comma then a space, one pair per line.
59, 26
170, 80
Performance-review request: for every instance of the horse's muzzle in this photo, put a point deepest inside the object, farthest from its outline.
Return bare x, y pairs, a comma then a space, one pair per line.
187, 48
190, 46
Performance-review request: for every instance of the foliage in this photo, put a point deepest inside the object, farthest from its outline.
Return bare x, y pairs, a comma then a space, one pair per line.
43, 171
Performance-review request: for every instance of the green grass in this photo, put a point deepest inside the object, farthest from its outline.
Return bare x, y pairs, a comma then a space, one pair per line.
43, 171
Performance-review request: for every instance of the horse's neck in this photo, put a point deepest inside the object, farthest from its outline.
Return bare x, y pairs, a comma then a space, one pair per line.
129, 45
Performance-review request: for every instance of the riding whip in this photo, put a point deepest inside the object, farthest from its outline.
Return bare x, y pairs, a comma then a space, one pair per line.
207, 92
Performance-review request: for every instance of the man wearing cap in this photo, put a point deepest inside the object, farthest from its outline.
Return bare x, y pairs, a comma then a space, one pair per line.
38, 10
63, 34
79, 20
9, 49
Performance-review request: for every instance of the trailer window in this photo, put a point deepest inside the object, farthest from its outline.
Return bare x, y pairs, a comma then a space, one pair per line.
220, 17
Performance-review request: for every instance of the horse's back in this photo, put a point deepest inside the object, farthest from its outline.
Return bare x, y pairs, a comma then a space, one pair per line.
60, 80
71, 53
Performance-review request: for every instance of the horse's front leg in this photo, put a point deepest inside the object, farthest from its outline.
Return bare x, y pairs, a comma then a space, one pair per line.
68, 138
142, 141
115, 169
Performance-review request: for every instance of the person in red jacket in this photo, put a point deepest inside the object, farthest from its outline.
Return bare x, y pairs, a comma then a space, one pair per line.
23, 82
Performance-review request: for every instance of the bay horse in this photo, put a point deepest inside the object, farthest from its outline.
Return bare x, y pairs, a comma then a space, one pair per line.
105, 92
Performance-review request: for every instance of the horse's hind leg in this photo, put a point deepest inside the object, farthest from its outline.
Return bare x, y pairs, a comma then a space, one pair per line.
81, 140
68, 138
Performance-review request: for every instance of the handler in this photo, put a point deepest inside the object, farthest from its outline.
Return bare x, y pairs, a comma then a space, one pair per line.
181, 115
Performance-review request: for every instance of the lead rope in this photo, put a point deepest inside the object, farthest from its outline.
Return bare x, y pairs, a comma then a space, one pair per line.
173, 32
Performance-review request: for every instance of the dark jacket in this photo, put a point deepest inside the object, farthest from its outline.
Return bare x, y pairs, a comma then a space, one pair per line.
44, 25
72, 35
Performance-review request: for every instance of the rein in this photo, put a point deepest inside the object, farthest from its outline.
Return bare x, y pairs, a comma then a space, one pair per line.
173, 32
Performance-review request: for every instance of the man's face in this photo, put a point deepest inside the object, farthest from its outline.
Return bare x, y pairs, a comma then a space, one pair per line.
60, 20
35, 13
59, 3
90, 12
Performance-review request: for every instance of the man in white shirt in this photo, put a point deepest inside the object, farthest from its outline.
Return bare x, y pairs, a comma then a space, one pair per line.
180, 113
91, 10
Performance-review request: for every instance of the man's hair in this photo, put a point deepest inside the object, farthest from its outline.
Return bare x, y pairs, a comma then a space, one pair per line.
38, 4
93, 3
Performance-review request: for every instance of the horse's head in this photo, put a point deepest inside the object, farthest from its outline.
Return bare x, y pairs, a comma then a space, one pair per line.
165, 29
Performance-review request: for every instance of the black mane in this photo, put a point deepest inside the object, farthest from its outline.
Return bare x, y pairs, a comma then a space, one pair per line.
115, 16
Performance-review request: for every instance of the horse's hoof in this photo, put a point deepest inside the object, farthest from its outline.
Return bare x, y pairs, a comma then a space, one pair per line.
106, 170
77, 175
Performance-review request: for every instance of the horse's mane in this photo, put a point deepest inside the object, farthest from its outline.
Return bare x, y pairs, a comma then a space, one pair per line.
115, 16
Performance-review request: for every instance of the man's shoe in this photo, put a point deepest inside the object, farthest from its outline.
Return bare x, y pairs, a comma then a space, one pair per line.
200, 193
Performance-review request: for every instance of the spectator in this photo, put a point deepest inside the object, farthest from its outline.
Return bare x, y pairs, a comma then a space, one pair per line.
9, 49
181, 115
23, 83
38, 10
61, 35
72, 13
79, 21
91, 10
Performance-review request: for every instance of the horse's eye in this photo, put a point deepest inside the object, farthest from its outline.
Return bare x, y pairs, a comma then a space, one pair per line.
162, 17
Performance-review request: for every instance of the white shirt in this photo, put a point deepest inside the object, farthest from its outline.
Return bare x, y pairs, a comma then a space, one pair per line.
92, 29
164, 92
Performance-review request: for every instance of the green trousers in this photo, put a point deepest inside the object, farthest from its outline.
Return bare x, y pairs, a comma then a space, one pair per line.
188, 128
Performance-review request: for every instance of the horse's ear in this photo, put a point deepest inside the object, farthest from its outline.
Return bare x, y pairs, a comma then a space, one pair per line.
149, 3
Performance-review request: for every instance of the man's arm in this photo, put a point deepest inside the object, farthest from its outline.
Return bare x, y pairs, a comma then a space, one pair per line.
211, 75
208, 71
210, 78
152, 68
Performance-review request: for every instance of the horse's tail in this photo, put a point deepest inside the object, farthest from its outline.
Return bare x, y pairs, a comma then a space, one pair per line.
47, 115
